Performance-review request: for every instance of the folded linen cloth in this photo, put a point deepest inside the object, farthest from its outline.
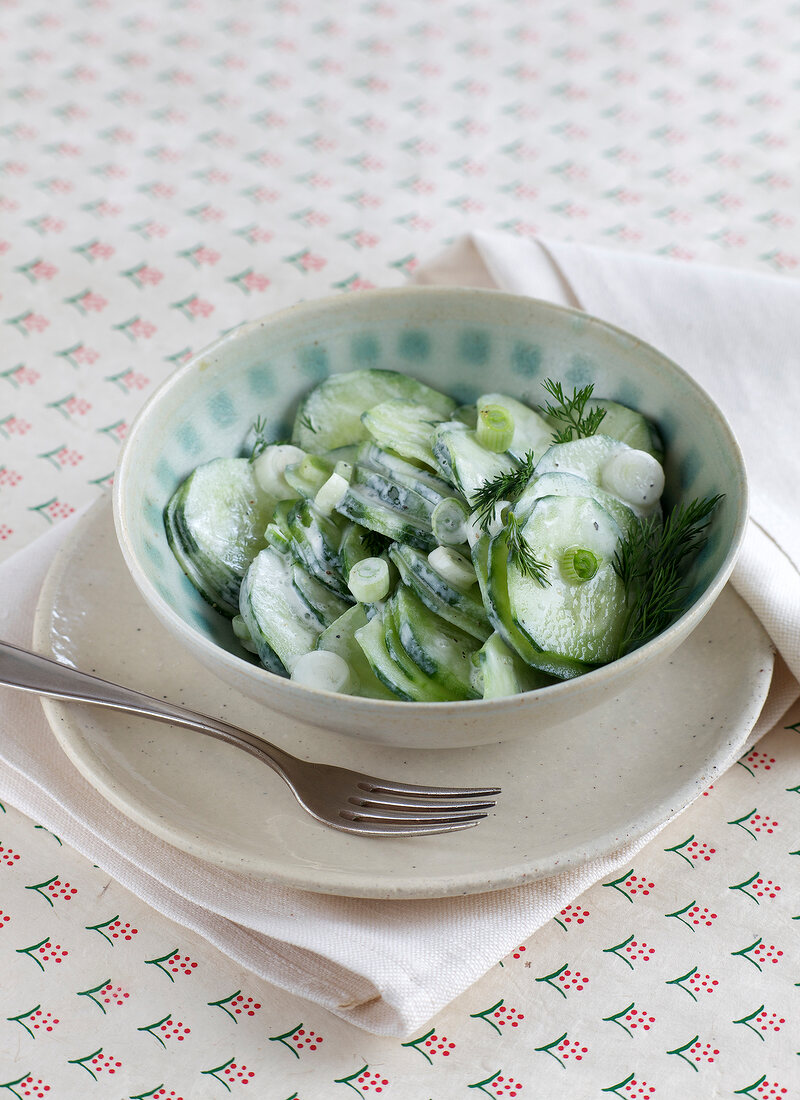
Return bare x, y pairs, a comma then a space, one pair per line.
389, 966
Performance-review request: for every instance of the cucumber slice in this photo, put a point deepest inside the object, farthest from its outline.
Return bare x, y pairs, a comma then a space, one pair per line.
372, 640
367, 509
405, 473
579, 620
437, 648
307, 477
463, 461
393, 494
531, 431
423, 688
406, 428
586, 458
340, 638
461, 609
215, 524
570, 485
315, 544
502, 672
279, 621
330, 417
631, 427
324, 604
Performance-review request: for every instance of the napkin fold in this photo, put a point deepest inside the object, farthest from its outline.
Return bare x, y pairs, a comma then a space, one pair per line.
389, 966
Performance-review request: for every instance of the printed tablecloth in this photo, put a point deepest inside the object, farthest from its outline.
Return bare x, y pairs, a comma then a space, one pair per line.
168, 174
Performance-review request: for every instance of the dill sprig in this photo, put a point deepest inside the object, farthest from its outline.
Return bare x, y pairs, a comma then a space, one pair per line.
305, 420
649, 564
521, 554
258, 429
375, 543
506, 486
571, 412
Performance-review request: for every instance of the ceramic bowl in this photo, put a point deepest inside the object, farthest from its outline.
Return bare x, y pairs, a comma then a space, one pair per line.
464, 342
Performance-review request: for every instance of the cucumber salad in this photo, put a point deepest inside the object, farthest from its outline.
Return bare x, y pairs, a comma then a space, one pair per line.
404, 547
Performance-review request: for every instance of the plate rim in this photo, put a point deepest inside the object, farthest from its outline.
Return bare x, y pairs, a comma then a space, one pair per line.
345, 881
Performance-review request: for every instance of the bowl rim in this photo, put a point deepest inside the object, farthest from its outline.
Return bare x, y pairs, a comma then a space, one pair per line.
576, 686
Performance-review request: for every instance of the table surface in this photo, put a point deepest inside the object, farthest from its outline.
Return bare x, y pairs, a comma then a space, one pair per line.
164, 177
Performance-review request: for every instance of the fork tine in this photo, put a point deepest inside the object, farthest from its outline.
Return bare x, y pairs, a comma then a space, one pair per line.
372, 828
382, 786
446, 817
410, 802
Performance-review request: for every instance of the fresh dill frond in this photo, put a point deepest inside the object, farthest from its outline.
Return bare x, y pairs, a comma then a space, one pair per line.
375, 543
521, 554
305, 420
506, 486
258, 429
649, 563
571, 412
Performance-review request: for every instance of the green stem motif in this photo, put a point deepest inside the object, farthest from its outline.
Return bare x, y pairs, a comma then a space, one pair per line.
34, 947
795, 727
147, 1095
159, 962
619, 947
486, 1081
349, 1080
42, 509
746, 1021
745, 817
747, 882
219, 1069
221, 1003
99, 928
560, 922
677, 850
793, 790
90, 993
111, 429
681, 1052
40, 888
414, 1044
744, 952
86, 1058
678, 914
679, 981
282, 1039
485, 1016
747, 1090
547, 1048
11, 1085
117, 379
617, 1018
549, 979
125, 327
23, 1016
615, 885
742, 764
158, 1023
619, 1085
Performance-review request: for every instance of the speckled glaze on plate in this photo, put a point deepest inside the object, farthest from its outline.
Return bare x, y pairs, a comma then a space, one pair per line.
570, 793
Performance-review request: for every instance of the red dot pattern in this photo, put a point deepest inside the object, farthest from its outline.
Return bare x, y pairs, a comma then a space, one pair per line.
703, 983
238, 1075
519, 952
66, 457
59, 889
573, 979
5, 531
639, 1088
701, 916
762, 823
305, 1039
162, 1094
52, 952
32, 1086
765, 888
59, 509
8, 856
244, 1004
10, 477
104, 1063
121, 930
769, 1021
571, 1048
371, 1082
44, 1021
114, 994
641, 951
702, 1052
506, 1086
503, 1015
766, 1089
756, 760
439, 1044
634, 884
574, 913
698, 851
174, 1029
181, 964
4, 919
766, 953
708, 791
638, 1020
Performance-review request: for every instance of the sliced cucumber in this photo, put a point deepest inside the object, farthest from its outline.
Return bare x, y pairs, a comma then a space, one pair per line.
502, 672
531, 431
631, 427
315, 543
340, 638
570, 485
581, 620
215, 524
436, 647
279, 621
424, 688
402, 471
464, 461
586, 458
323, 603
464, 610
406, 428
393, 494
367, 509
308, 476
330, 417
405, 683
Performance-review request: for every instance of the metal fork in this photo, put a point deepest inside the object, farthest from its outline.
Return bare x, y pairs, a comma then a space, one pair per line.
338, 797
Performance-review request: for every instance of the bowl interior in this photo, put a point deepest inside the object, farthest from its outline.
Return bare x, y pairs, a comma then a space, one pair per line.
464, 342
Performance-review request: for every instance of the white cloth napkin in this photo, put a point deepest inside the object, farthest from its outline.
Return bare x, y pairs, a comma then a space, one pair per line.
390, 966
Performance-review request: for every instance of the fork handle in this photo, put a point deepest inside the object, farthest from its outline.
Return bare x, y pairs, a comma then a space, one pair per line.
19, 668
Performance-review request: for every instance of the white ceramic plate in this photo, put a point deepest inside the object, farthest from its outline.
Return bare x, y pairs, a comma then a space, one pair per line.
570, 793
